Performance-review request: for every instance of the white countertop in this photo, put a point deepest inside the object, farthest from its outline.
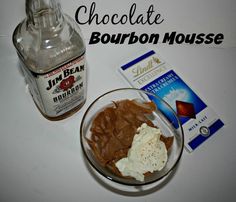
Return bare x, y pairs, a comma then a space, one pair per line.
42, 160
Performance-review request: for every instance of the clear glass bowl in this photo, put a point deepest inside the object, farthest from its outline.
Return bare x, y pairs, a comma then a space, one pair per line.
168, 122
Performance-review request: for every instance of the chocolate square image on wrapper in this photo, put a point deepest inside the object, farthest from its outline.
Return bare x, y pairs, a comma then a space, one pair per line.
185, 109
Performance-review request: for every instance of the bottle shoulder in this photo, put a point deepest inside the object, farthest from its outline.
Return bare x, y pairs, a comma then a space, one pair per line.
45, 50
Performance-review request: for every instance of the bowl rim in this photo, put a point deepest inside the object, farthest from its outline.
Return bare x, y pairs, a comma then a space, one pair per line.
111, 178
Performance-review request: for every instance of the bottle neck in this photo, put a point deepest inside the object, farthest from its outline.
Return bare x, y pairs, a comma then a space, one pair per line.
43, 13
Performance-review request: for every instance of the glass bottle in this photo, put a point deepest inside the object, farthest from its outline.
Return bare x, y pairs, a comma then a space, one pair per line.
51, 51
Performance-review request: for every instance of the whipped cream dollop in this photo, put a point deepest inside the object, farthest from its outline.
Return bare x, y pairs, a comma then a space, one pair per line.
147, 154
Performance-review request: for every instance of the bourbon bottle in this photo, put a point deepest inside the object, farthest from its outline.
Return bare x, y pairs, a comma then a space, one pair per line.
51, 51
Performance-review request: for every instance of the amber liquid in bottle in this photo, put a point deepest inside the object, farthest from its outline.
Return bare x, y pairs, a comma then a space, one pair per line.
51, 51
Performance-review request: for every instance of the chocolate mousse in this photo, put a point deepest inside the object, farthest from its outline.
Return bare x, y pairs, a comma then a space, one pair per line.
114, 127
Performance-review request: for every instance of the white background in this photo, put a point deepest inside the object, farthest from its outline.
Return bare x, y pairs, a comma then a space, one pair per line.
42, 160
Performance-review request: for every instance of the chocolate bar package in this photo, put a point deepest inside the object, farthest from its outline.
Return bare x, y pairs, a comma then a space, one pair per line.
151, 73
